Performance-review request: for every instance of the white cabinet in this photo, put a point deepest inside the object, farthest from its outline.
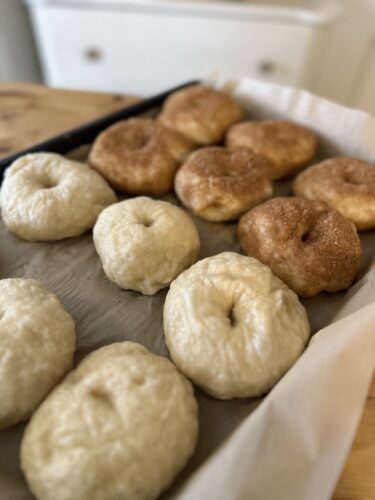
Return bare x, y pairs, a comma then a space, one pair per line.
145, 46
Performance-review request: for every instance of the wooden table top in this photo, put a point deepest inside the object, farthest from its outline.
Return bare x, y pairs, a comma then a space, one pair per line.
32, 113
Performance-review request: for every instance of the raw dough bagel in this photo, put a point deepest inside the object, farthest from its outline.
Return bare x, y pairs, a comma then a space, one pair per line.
37, 341
200, 113
219, 184
139, 156
45, 196
144, 244
122, 425
232, 327
307, 244
346, 184
288, 146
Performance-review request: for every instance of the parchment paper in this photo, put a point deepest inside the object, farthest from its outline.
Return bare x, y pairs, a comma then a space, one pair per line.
293, 443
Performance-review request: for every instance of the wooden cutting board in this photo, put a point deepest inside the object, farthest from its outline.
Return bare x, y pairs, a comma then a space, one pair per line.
32, 113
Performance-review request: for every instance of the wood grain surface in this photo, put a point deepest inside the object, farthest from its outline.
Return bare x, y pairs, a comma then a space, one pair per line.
31, 113
357, 481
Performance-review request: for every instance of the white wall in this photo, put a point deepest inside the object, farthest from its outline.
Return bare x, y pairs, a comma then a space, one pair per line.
18, 59
350, 40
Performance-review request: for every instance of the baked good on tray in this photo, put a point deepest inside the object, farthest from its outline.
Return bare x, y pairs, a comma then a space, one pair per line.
233, 327
121, 425
201, 113
37, 342
346, 184
139, 156
219, 184
288, 146
144, 244
45, 196
307, 244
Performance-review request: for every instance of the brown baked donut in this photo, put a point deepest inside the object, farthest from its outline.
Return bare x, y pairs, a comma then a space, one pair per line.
346, 184
200, 113
139, 156
219, 184
307, 244
289, 146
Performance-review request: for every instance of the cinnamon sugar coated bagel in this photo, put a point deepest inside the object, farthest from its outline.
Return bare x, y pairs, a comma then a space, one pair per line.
346, 184
139, 156
200, 113
307, 244
144, 244
45, 196
233, 327
220, 184
288, 146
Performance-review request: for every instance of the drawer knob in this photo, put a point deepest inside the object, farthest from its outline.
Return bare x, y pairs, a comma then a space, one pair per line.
93, 54
266, 67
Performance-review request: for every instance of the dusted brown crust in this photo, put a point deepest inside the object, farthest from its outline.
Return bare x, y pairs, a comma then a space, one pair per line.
287, 145
201, 114
139, 156
346, 184
307, 244
220, 184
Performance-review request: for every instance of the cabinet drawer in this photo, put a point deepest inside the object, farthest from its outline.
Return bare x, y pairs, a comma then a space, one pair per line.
145, 52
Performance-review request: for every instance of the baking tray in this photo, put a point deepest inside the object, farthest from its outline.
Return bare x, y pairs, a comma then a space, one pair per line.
104, 313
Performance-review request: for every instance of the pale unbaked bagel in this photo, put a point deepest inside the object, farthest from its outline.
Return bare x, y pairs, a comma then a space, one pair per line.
139, 156
307, 244
233, 327
288, 146
37, 341
45, 196
219, 184
200, 113
346, 184
144, 244
122, 425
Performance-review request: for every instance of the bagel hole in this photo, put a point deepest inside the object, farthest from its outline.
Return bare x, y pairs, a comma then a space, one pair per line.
101, 395
143, 142
229, 175
138, 380
140, 140
232, 318
48, 184
305, 236
349, 178
195, 102
147, 222
230, 170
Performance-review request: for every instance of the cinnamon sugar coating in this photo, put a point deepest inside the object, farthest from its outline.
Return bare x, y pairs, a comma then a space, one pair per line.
201, 114
139, 156
288, 146
346, 184
220, 184
307, 244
